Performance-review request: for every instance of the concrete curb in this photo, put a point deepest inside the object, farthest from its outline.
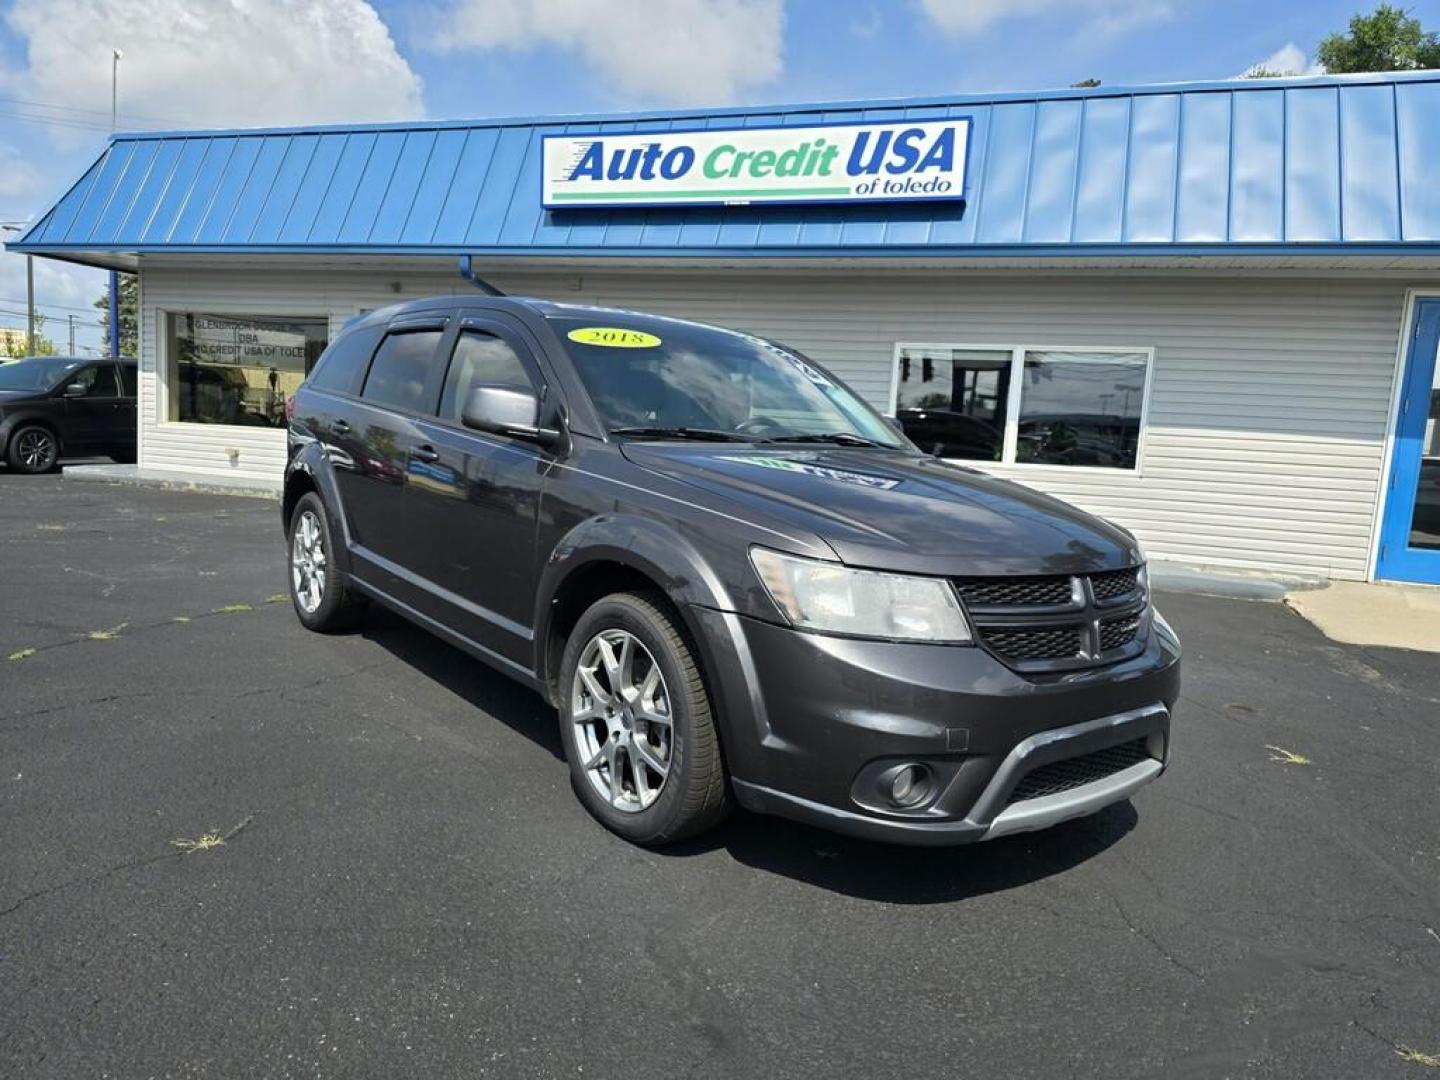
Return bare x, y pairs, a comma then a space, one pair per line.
134, 476
1232, 584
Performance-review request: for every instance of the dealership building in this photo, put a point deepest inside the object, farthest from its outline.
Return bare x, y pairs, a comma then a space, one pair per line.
1206, 311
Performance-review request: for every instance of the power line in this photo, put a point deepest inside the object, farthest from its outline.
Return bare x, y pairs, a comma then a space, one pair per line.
99, 113
46, 304
53, 121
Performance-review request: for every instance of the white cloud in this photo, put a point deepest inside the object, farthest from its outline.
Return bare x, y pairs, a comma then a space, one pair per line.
1289, 59
1103, 18
19, 179
672, 52
196, 63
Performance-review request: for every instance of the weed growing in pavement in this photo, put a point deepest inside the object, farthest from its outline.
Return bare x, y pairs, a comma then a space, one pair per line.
1287, 757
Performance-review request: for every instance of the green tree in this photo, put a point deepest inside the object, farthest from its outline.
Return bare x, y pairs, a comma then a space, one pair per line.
15, 346
1086, 84
1258, 72
1389, 40
129, 314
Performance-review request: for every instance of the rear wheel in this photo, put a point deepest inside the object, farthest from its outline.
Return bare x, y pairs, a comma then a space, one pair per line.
637, 725
33, 449
324, 600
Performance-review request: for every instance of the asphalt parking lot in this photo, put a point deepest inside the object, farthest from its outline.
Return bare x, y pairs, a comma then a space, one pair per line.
406, 886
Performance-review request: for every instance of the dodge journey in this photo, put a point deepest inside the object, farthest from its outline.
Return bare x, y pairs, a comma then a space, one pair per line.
734, 580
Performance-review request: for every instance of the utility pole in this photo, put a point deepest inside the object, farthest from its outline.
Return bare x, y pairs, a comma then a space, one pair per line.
30, 305
72, 335
115, 55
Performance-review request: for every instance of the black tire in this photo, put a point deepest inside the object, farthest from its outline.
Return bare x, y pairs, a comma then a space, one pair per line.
340, 606
34, 448
695, 795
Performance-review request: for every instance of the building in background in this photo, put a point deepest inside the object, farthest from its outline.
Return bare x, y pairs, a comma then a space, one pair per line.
1208, 312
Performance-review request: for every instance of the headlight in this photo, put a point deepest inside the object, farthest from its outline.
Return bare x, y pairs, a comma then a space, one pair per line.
835, 599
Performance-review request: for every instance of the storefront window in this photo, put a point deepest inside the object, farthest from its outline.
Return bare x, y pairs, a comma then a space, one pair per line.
1081, 408
239, 369
1026, 405
952, 402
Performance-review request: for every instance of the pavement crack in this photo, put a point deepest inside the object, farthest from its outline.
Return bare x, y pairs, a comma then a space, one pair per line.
1154, 942
111, 871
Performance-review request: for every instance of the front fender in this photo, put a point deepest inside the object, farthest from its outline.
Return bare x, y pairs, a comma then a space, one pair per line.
651, 547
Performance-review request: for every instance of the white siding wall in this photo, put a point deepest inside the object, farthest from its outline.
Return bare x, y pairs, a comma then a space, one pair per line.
1268, 410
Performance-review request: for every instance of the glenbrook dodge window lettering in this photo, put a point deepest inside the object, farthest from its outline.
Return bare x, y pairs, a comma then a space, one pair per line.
1043, 406
919, 159
238, 369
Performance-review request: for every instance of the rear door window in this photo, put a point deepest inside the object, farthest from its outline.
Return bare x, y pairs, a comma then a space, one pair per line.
342, 367
127, 380
400, 369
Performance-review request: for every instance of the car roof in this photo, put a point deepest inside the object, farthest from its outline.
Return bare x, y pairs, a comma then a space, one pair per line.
545, 308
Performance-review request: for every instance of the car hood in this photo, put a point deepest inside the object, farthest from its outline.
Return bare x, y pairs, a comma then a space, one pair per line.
19, 395
899, 511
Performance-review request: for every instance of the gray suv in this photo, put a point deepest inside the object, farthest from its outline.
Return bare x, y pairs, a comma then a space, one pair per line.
734, 580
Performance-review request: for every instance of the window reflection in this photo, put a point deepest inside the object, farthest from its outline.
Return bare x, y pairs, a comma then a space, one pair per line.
951, 402
238, 369
1081, 408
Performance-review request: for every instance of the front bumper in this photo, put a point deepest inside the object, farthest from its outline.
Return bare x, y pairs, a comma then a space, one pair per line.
810, 721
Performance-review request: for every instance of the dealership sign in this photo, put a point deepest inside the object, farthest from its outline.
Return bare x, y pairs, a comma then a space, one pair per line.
903, 161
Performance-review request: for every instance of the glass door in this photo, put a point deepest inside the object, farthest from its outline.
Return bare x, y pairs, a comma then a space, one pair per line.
1410, 531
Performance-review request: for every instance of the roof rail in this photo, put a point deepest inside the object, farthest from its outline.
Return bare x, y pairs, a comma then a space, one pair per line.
467, 271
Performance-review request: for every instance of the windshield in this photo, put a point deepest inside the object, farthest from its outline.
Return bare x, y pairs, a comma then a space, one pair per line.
655, 375
35, 374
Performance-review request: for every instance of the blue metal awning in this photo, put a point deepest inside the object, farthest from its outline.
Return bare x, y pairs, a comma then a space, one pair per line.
1325, 164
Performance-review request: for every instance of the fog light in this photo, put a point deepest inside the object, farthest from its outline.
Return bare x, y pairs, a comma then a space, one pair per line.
910, 785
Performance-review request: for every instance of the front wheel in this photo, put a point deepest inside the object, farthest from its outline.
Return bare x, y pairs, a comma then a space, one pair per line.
323, 599
637, 726
33, 449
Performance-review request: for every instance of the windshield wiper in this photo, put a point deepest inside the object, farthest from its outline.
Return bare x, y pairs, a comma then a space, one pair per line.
839, 438
695, 433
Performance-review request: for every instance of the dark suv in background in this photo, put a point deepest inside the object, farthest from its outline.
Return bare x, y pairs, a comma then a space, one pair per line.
53, 405
732, 577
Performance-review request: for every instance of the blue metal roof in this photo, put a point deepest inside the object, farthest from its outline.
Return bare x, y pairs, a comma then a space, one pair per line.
1342, 163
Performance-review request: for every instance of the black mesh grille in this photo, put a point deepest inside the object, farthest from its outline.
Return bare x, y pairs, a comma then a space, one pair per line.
1073, 772
1035, 643
1014, 591
1117, 633
1114, 584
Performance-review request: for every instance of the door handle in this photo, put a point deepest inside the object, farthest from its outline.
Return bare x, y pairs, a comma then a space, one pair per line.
341, 427
426, 453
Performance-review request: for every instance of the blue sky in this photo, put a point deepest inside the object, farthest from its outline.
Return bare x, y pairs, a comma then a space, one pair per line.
199, 63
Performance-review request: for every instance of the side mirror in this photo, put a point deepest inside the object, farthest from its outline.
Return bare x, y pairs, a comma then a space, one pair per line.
75, 389
504, 410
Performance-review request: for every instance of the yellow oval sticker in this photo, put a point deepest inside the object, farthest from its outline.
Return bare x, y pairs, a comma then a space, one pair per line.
613, 337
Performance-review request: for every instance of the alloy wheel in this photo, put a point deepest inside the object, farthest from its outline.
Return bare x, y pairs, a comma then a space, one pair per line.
620, 707
36, 449
307, 562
